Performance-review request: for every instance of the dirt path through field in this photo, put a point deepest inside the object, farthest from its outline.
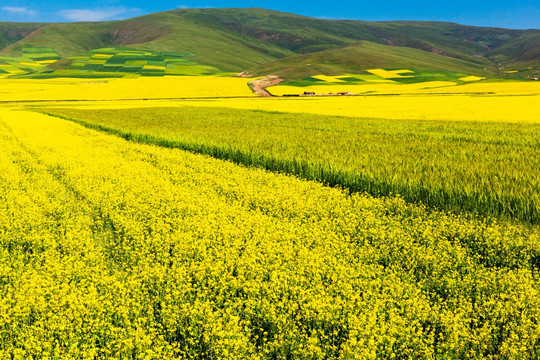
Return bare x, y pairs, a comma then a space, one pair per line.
259, 86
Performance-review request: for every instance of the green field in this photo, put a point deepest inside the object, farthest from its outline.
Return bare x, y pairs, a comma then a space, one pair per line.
481, 167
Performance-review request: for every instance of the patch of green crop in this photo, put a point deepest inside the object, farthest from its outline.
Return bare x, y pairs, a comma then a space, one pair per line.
419, 76
478, 167
351, 79
308, 81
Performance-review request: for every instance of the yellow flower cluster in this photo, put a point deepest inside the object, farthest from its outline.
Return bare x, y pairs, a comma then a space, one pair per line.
390, 74
116, 250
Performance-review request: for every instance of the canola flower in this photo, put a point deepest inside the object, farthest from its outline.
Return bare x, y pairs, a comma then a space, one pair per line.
110, 249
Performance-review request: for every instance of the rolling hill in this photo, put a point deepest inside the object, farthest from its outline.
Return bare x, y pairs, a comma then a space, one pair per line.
363, 56
264, 41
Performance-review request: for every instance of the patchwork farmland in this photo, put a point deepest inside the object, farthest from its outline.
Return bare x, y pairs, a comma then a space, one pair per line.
106, 62
32, 59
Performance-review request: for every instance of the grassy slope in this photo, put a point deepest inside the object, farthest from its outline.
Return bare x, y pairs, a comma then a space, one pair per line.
221, 48
298, 34
522, 53
304, 35
217, 47
10, 33
237, 39
468, 166
366, 55
67, 39
451, 39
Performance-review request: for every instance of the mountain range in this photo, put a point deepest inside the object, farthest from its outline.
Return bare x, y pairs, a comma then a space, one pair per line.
255, 41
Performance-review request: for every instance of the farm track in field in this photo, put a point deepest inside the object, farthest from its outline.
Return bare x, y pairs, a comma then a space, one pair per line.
260, 86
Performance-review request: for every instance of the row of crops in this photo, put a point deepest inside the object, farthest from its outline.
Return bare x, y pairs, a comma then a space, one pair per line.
111, 249
488, 168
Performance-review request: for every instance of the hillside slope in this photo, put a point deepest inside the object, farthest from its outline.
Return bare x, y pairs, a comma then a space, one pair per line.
168, 31
10, 33
240, 39
524, 52
363, 56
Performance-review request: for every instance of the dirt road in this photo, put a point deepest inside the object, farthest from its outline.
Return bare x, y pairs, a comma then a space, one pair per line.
259, 86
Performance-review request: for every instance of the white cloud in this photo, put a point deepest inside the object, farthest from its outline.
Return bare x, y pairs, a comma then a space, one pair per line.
19, 10
194, 7
92, 15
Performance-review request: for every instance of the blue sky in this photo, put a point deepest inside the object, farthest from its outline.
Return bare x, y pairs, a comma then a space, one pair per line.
518, 14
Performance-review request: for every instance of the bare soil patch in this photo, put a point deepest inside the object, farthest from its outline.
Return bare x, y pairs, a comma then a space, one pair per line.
259, 86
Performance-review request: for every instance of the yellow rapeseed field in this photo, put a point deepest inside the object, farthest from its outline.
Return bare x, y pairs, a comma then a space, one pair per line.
471, 78
390, 74
124, 88
484, 101
429, 87
110, 249
117, 244
454, 107
481, 101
